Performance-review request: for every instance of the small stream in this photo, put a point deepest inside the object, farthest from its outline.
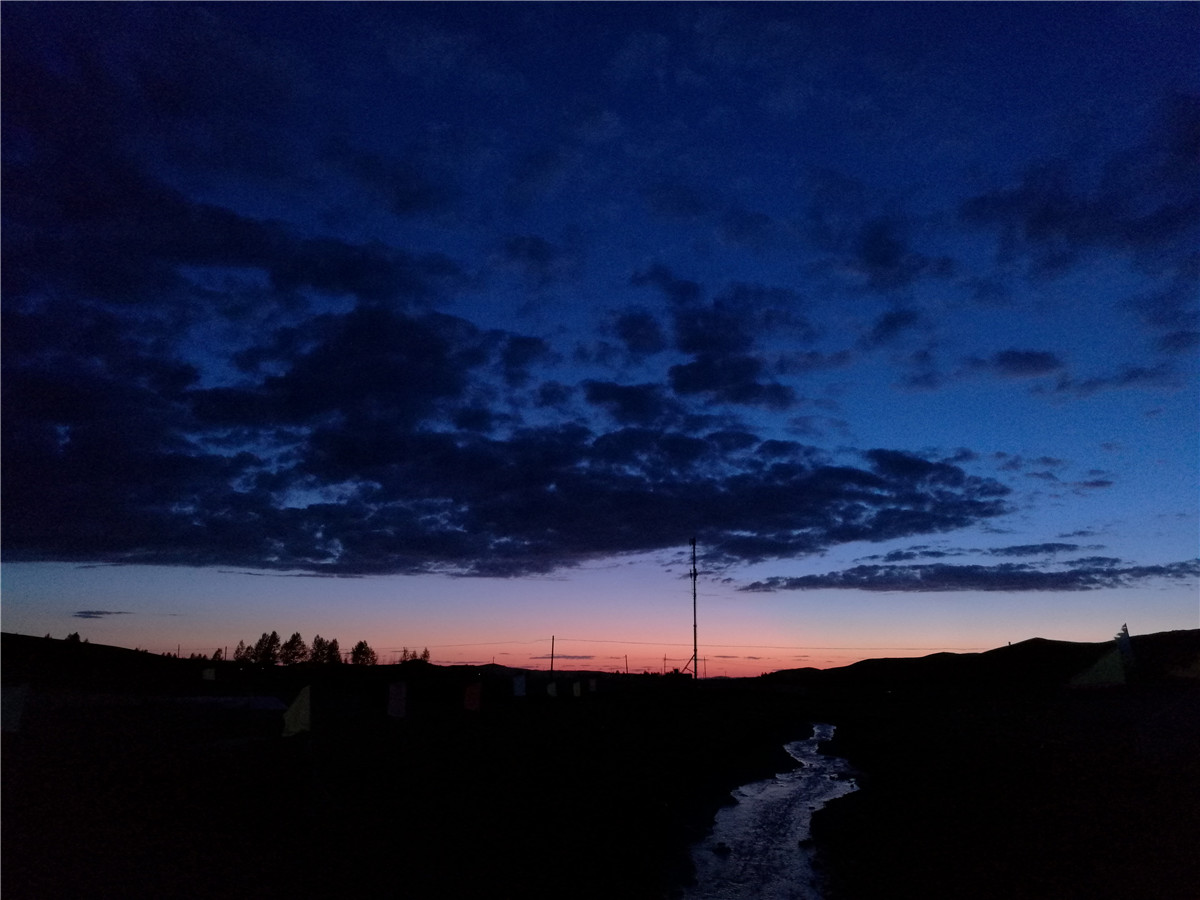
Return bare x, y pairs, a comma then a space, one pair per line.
758, 848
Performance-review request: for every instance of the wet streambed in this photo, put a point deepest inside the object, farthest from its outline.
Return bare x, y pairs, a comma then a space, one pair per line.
759, 847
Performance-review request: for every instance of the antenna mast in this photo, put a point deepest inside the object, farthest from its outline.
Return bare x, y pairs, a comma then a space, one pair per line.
695, 645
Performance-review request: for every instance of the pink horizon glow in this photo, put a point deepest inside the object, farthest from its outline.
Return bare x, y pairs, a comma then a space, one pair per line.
601, 620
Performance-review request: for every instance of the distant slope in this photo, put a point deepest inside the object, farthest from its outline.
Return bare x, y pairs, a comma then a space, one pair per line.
24, 658
1036, 662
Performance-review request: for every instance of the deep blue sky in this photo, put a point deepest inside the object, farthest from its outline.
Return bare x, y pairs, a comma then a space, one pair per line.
875, 301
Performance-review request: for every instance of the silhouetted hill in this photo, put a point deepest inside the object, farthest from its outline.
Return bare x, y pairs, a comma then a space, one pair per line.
995, 771
52, 661
1032, 664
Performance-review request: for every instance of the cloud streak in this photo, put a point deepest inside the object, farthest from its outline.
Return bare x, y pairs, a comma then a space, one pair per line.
1009, 577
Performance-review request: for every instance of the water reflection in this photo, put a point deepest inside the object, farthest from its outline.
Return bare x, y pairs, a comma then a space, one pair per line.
759, 848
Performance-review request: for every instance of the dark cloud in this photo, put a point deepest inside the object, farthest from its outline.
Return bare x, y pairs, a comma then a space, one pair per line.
1179, 341
639, 404
1126, 377
99, 613
97, 226
1049, 548
519, 353
407, 187
1044, 476
800, 362
743, 228
676, 201
540, 262
640, 332
151, 78
764, 311
535, 173
678, 291
369, 272
82, 210
873, 249
1011, 577
890, 325
915, 468
918, 552
962, 455
921, 370
884, 257
552, 393
1025, 363
730, 379
345, 478
475, 418
1085, 562
1051, 461
1170, 310
711, 330
1145, 205
368, 363
1034, 549
720, 335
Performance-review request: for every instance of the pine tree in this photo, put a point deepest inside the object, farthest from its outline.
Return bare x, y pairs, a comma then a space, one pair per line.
266, 651
363, 655
293, 651
318, 650
324, 652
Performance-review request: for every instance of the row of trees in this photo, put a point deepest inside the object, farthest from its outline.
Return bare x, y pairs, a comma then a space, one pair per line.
270, 650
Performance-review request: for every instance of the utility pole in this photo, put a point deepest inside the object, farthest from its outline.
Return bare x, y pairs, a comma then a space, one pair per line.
551, 654
626, 663
695, 645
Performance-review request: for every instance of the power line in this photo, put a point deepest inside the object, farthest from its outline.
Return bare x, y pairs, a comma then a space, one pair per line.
658, 644
695, 644
483, 643
726, 646
759, 646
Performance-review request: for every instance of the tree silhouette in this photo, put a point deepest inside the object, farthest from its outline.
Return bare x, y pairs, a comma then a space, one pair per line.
323, 651
320, 646
266, 651
242, 653
294, 650
363, 655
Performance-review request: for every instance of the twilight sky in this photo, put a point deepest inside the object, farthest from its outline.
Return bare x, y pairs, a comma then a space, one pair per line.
449, 325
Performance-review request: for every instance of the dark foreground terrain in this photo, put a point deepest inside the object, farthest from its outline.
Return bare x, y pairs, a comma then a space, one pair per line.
984, 775
134, 777
991, 777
